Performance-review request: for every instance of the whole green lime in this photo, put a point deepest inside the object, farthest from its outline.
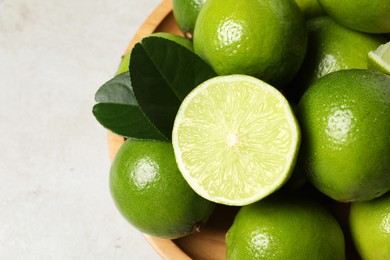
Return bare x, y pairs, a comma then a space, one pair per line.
371, 16
332, 47
175, 38
125, 61
186, 12
370, 227
344, 117
124, 64
265, 39
151, 193
285, 228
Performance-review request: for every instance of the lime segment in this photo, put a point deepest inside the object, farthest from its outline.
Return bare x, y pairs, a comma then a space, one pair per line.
235, 139
380, 59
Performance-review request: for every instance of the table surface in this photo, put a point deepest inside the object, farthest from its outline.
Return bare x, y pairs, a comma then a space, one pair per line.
55, 201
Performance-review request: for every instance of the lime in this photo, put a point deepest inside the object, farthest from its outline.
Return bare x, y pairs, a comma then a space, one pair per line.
125, 61
380, 59
371, 16
310, 8
150, 192
235, 139
332, 47
285, 228
370, 227
265, 39
176, 38
124, 64
345, 124
185, 13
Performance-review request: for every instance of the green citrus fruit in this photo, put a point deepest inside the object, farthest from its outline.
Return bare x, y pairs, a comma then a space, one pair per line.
124, 64
150, 192
380, 59
185, 13
310, 8
345, 124
371, 16
125, 61
235, 139
285, 228
370, 227
176, 38
264, 39
332, 47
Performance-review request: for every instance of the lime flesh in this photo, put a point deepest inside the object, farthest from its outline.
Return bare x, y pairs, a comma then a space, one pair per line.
235, 139
380, 59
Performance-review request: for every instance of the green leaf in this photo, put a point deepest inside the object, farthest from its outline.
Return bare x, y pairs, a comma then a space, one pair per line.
118, 110
117, 90
163, 72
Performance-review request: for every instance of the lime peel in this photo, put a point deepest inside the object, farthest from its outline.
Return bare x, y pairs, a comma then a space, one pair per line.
235, 139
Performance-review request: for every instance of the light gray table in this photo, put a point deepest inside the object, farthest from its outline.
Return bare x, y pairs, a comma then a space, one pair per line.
55, 202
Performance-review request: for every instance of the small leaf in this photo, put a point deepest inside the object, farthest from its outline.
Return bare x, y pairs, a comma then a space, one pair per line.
163, 72
117, 90
119, 112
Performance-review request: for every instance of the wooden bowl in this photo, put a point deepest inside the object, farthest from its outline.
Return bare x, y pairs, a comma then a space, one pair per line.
209, 243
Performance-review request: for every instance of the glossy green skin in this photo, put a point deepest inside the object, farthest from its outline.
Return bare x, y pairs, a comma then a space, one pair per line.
125, 61
345, 123
371, 16
176, 38
186, 12
370, 228
332, 47
151, 193
284, 228
124, 64
264, 39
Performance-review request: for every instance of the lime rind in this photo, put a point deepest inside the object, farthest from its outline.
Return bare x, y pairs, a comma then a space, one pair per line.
380, 59
235, 139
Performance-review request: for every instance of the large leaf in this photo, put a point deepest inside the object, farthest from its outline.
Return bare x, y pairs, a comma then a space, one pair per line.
162, 74
118, 110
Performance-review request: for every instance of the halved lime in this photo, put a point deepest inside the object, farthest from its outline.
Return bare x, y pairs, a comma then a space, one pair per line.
235, 139
380, 59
